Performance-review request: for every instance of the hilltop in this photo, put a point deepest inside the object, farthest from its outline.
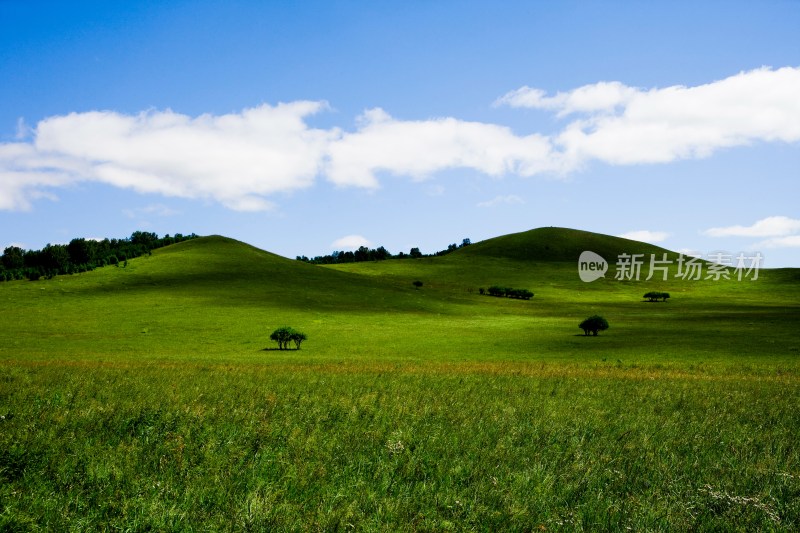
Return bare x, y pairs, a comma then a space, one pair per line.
556, 244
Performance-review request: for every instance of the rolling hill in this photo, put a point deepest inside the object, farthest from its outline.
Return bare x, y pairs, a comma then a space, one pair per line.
215, 297
556, 244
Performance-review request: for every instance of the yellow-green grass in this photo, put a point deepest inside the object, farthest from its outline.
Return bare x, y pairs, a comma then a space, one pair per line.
143, 397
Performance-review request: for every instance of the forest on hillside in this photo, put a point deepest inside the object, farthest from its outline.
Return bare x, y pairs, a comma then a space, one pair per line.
80, 255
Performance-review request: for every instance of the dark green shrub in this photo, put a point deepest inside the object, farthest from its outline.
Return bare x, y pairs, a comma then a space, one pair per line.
498, 291
593, 325
654, 296
283, 336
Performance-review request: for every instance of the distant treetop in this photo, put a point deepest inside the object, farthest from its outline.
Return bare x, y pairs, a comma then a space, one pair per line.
376, 254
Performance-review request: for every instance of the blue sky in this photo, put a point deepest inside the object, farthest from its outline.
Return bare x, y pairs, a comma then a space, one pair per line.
306, 127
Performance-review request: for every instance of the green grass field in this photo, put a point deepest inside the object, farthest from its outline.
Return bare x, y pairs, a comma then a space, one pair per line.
150, 397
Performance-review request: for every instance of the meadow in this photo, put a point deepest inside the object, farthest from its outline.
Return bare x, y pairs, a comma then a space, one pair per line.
150, 398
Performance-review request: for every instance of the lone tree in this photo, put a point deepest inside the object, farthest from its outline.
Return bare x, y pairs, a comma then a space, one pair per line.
594, 324
417, 284
283, 336
654, 296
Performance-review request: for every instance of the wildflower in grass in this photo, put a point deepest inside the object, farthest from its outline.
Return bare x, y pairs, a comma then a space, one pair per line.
395, 446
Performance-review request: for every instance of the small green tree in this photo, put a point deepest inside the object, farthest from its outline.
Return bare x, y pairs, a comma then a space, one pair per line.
593, 325
298, 338
520, 294
283, 336
496, 290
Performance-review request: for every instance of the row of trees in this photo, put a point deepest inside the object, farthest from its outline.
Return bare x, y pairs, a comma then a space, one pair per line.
507, 292
376, 254
80, 255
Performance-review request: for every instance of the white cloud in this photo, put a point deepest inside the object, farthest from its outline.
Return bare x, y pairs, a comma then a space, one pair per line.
25, 175
350, 242
645, 236
789, 241
421, 148
510, 199
602, 96
766, 227
235, 159
625, 125
243, 159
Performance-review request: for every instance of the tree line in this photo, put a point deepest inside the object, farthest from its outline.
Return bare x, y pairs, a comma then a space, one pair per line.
80, 255
507, 292
376, 254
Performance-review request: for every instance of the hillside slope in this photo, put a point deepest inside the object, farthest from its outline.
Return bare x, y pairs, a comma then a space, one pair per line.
215, 298
555, 244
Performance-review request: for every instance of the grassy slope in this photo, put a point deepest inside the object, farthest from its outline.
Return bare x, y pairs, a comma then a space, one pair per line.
141, 396
724, 321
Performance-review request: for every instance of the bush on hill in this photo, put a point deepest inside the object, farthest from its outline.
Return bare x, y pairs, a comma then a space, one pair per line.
654, 296
593, 325
507, 292
283, 336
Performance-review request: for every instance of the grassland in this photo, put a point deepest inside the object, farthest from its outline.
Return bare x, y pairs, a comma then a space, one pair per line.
142, 398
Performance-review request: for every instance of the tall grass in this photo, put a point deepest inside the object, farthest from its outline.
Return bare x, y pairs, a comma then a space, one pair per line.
166, 448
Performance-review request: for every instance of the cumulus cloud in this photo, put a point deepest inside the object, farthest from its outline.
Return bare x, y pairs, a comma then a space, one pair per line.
242, 160
777, 226
421, 148
350, 242
782, 232
645, 236
236, 159
511, 199
624, 125
602, 96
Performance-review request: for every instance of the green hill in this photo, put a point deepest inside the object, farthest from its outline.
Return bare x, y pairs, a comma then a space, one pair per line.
555, 244
216, 297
